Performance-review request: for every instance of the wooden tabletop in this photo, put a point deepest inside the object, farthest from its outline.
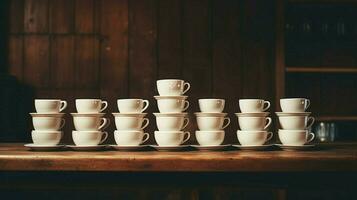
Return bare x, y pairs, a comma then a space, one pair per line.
343, 157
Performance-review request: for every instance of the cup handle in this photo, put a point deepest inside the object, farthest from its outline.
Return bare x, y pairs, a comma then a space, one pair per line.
228, 122
187, 104
146, 102
267, 103
146, 123
268, 119
312, 137
105, 103
188, 86
270, 135
63, 105
63, 122
104, 138
104, 124
146, 137
187, 138
311, 120
185, 122
307, 104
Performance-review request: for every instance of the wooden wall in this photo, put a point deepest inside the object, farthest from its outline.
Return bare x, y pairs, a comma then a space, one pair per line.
114, 49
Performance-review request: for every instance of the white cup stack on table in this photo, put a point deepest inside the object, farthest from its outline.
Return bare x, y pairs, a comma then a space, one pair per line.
253, 122
171, 119
89, 123
295, 122
211, 122
48, 122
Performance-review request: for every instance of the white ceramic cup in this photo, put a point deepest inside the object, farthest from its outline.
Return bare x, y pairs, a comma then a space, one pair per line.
50, 105
172, 104
294, 104
134, 123
132, 105
210, 138
247, 138
46, 137
212, 121
172, 87
295, 137
171, 138
89, 138
90, 105
130, 138
211, 105
296, 122
47, 122
254, 123
171, 121
253, 105
90, 122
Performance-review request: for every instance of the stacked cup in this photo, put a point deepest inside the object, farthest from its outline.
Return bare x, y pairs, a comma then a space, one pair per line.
253, 122
89, 122
130, 122
171, 120
295, 122
211, 122
47, 122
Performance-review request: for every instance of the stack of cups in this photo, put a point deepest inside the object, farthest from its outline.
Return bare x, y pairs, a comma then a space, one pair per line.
171, 120
295, 122
130, 122
211, 122
253, 122
47, 122
89, 122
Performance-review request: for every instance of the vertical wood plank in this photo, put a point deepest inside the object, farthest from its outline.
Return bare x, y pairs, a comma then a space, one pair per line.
84, 16
16, 16
61, 16
36, 16
36, 61
15, 56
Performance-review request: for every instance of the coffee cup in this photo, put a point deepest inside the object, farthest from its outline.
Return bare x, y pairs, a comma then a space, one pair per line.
50, 138
132, 105
172, 104
130, 138
172, 87
90, 105
90, 122
130, 121
295, 137
171, 121
254, 123
294, 121
212, 121
211, 105
50, 105
89, 138
210, 138
47, 122
171, 138
249, 138
253, 105
294, 104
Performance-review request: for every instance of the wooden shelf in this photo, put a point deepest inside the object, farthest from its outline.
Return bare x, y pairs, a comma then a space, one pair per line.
321, 69
322, 1
336, 118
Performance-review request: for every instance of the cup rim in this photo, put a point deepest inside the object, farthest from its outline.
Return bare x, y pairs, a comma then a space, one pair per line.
129, 114
252, 114
252, 132
87, 114
170, 79
287, 114
83, 132
88, 100
170, 97
215, 131
45, 132
293, 131
184, 114
210, 114
211, 99
128, 131
165, 132
251, 99
47, 114
48, 100
133, 99
294, 98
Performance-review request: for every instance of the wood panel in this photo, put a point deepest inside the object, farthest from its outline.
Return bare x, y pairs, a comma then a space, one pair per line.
84, 16
61, 16
15, 57
36, 16
16, 18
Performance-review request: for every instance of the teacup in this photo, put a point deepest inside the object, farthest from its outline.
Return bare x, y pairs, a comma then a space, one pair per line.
89, 138
294, 104
90, 122
210, 138
50, 105
132, 105
130, 121
211, 105
295, 121
253, 105
248, 138
171, 138
47, 122
46, 137
171, 121
254, 123
172, 87
212, 121
90, 105
172, 104
130, 138
295, 137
